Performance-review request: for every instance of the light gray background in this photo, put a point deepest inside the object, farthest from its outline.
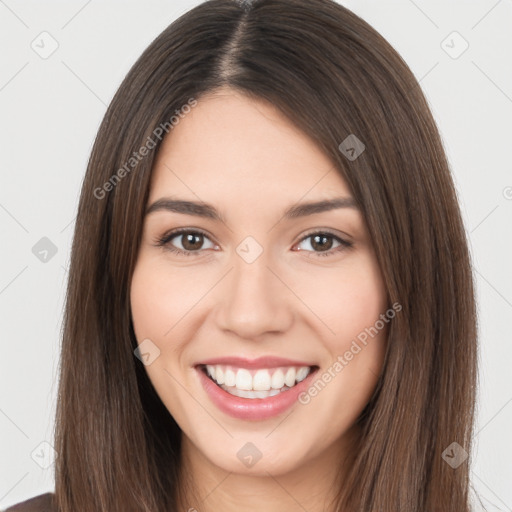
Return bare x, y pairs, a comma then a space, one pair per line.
51, 108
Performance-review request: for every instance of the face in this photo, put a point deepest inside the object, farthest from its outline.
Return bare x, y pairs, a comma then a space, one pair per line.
264, 322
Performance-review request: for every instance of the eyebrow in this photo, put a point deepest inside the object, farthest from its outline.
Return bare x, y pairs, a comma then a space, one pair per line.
208, 211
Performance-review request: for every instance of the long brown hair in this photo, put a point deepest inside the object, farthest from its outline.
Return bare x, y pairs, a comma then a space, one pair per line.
333, 75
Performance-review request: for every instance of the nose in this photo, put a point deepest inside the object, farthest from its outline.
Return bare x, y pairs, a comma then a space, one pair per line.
254, 300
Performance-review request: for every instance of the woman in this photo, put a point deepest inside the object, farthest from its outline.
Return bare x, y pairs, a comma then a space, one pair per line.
270, 301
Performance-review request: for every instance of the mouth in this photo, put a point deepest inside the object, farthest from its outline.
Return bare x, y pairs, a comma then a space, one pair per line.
256, 383
255, 389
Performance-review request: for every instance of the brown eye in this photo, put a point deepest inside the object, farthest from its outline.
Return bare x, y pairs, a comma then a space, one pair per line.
192, 241
322, 243
185, 241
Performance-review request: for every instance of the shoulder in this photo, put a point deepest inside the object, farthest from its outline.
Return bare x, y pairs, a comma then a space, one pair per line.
41, 503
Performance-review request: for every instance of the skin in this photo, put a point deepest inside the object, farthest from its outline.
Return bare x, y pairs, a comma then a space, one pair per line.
245, 158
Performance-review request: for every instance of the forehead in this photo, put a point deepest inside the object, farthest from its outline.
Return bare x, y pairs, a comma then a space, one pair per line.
230, 147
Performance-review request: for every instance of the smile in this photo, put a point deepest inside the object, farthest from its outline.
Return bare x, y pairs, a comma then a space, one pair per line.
254, 390
256, 383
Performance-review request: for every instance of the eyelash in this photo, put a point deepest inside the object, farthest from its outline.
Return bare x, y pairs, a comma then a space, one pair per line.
165, 239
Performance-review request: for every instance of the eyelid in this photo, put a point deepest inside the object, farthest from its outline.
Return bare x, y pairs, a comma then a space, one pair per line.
163, 240
343, 237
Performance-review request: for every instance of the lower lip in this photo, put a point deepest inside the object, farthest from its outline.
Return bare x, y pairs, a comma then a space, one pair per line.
253, 408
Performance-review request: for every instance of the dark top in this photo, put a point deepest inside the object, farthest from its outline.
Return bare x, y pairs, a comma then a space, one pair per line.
41, 503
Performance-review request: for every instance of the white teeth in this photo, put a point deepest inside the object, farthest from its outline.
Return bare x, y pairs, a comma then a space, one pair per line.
278, 379
253, 394
289, 379
211, 371
243, 379
302, 373
229, 377
261, 381
219, 375
265, 382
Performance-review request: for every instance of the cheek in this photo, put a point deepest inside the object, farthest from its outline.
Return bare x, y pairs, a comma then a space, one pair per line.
163, 310
356, 349
146, 303
349, 300
351, 305
156, 302
156, 309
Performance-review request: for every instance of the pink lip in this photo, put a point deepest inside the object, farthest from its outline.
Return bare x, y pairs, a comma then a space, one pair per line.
253, 408
260, 362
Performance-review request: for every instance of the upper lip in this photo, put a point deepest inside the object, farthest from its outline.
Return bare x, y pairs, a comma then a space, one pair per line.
260, 362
